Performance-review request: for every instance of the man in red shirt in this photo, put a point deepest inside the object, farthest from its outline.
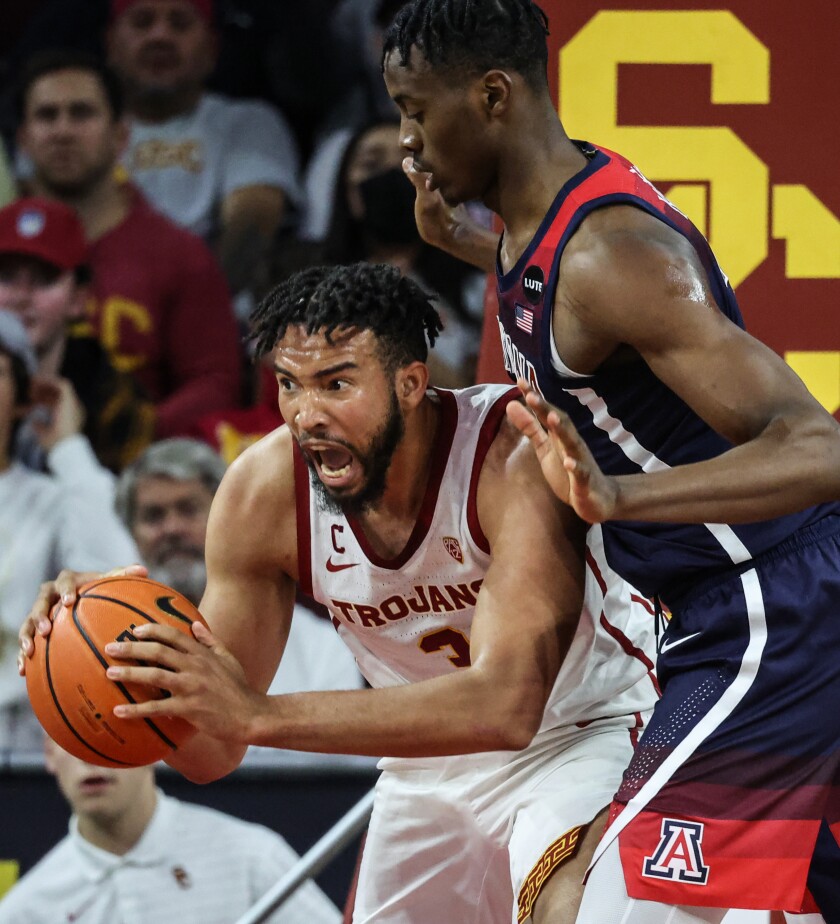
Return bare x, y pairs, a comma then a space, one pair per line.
161, 304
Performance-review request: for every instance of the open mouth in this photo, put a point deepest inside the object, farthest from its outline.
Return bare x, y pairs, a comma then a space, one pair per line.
335, 465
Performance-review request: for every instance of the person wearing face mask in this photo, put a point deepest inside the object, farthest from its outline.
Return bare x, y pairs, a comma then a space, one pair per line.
373, 221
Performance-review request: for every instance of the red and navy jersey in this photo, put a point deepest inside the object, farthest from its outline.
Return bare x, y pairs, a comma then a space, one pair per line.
631, 420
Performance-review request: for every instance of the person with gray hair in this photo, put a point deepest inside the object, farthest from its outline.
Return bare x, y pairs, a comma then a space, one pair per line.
164, 499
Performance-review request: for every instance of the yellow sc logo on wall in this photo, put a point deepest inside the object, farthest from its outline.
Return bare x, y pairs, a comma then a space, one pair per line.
725, 187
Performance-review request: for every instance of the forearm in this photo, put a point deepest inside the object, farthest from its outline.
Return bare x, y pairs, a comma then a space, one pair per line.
454, 714
774, 474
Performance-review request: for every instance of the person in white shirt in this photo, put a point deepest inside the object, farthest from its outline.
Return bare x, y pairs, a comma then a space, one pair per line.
136, 856
225, 169
51, 520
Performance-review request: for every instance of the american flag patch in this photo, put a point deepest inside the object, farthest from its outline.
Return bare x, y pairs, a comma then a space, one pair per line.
524, 318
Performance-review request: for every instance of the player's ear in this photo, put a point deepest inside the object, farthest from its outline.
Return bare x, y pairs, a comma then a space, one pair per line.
411, 382
496, 91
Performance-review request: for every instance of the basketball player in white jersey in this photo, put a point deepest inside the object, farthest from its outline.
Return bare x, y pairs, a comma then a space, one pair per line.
511, 670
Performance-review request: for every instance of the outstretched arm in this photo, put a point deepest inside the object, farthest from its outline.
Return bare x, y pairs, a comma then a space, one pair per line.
632, 280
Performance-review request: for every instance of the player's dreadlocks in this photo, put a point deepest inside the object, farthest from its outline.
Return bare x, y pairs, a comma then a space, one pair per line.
361, 296
474, 34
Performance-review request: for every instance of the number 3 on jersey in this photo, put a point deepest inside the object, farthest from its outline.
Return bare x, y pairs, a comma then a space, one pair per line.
448, 638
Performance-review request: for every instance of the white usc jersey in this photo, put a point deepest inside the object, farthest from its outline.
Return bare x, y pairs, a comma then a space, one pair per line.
408, 619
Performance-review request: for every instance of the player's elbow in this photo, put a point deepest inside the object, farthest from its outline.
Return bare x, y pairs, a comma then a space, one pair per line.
518, 718
516, 735
202, 767
205, 774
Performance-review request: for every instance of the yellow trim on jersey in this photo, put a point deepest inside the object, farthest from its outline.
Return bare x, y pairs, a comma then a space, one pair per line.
562, 849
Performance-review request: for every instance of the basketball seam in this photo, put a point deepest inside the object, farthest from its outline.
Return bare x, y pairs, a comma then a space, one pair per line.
64, 718
121, 687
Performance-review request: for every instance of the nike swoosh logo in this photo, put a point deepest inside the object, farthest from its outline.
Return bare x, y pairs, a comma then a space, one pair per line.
167, 606
333, 567
666, 646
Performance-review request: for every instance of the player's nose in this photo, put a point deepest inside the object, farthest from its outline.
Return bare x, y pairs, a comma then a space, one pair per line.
309, 413
409, 139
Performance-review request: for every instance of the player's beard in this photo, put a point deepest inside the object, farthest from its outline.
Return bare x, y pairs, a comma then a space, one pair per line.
186, 574
375, 464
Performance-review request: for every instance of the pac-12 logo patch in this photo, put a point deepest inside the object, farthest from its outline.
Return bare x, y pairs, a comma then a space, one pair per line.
679, 854
532, 283
451, 544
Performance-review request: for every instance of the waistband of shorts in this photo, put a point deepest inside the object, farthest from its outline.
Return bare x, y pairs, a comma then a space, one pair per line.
805, 536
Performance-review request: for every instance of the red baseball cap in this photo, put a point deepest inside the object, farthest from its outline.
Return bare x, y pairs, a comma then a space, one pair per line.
45, 229
203, 7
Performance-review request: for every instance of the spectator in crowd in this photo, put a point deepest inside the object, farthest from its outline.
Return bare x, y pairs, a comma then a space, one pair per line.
231, 432
7, 181
47, 521
164, 499
226, 169
373, 221
357, 24
44, 279
136, 854
161, 305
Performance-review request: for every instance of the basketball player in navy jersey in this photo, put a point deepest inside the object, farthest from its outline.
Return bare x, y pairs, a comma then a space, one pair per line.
670, 423
507, 708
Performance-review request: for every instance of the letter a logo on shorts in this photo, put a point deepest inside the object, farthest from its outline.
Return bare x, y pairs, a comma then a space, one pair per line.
679, 854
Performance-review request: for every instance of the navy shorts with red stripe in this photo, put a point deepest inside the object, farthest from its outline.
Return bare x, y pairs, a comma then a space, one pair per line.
732, 798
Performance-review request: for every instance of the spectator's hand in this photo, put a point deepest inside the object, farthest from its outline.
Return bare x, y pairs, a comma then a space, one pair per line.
58, 413
450, 229
64, 589
566, 461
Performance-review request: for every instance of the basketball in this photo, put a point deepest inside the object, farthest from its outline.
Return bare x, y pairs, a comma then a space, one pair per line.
66, 682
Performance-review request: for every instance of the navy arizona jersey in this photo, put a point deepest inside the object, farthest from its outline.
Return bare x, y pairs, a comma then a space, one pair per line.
630, 420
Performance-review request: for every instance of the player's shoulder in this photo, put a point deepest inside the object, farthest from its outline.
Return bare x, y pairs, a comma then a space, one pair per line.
622, 235
509, 456
262, 477
624, 257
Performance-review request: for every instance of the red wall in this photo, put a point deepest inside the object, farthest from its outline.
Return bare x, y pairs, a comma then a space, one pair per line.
734, 114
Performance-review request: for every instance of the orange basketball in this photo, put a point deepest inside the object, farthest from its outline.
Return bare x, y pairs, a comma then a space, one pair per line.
65, 678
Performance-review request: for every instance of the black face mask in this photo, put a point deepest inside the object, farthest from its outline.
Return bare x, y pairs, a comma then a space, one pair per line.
388, 200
